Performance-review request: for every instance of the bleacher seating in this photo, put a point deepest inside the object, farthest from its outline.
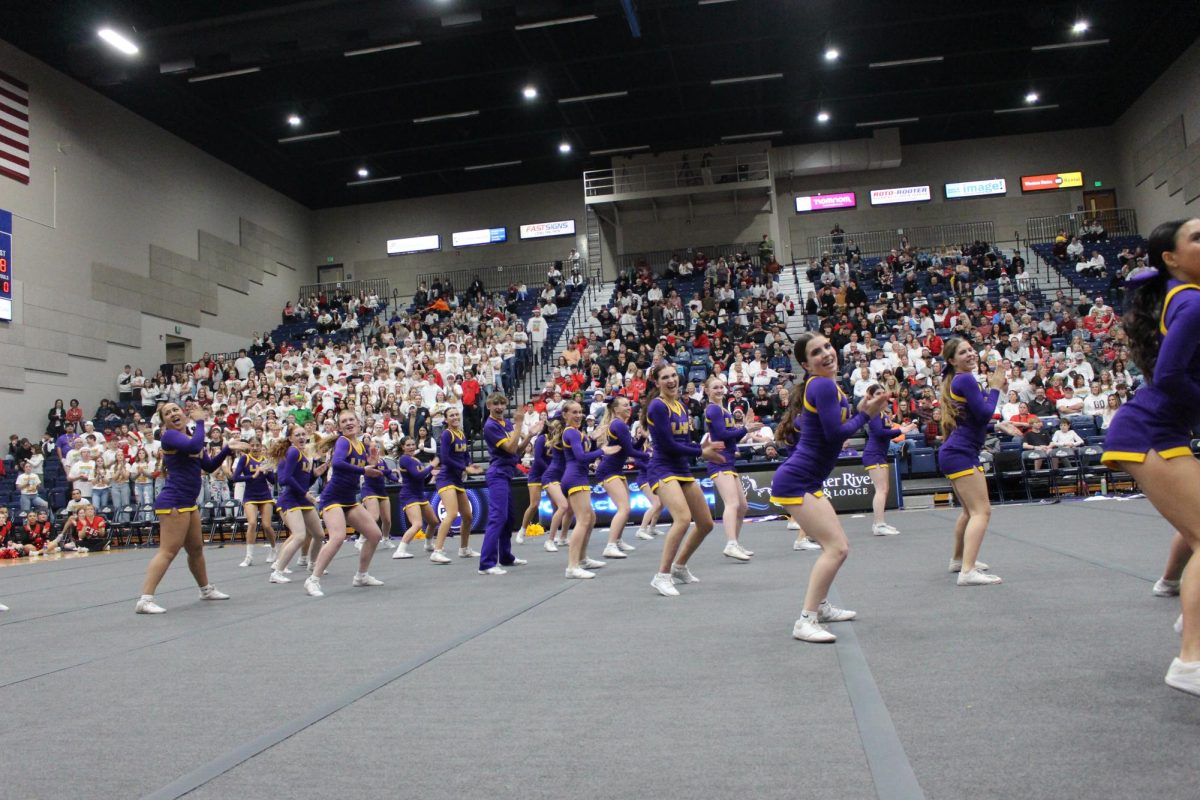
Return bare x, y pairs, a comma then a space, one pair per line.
1109, 249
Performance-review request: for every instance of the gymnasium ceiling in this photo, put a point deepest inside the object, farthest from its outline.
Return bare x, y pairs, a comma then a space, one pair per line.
475, 57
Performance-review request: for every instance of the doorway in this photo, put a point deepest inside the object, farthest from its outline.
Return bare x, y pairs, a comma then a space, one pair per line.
179, 350
330, 273
1101, 204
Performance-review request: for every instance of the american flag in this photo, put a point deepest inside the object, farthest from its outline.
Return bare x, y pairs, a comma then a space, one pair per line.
14, 128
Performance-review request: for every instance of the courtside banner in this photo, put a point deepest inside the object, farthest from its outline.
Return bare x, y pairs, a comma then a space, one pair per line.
849, 489
1051, 181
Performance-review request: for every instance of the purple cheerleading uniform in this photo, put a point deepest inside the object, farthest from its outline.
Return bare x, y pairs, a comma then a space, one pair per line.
295, 479
184, 458
541, 460
258, 487
347, 466
959, 454
879, 436
643, 473
580, 451
670, 433
413, 478
612, 466
556, 465
376, 487
721, 429
455, 456
497, 536
1166, 409
824, 425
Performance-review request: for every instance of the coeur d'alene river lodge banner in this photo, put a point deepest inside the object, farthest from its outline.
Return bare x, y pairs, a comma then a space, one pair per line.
849, 488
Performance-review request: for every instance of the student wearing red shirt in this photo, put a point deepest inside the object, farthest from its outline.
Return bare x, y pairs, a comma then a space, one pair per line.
91, 529
470, 400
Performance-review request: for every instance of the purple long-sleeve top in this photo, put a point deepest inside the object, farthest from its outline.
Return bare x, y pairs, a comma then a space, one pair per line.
184, 458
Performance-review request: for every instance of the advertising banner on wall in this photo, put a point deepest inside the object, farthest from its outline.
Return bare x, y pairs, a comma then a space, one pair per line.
414, 244
1051, 181
849, 489
987, 187
903, 194
6, 265
481, 236
543, 230
825, 202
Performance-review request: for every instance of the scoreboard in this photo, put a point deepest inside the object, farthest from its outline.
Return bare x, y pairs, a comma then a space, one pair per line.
5, 265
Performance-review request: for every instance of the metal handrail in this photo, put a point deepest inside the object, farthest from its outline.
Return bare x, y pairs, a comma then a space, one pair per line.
500, 276
1116, 222
878, 242
682, 173
377, 286
660, 258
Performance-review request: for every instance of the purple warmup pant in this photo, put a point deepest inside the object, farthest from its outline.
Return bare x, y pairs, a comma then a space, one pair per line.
497, 536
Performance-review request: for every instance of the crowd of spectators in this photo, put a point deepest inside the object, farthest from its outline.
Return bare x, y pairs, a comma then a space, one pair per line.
401, 373
1068, 361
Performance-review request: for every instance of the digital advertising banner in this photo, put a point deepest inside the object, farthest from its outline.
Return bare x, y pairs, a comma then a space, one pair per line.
6, 265
1051, 181
825, 202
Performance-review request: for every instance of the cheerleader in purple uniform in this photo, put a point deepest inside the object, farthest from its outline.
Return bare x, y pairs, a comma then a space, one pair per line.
646, 529
257, 501
178, 514
297, 506
552, 482
579, 452
413, 479
1150, 436
339, 505
505, 448
723, 472
454, 457
880, 434
818, 421
614, 430
375, 497
966, 412
671, 475
541, 459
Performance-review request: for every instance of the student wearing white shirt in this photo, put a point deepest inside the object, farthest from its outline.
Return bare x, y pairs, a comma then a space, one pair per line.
1064, 436
1095, 402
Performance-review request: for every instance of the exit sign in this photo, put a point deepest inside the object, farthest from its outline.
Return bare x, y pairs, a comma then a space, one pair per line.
1097, 184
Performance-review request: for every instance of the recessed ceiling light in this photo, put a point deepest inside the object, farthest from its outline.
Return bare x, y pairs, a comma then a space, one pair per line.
832, 53
1080, 26
119, 41
1031, 98
564, 147
363, 172
530, 92
294, 120
822, 116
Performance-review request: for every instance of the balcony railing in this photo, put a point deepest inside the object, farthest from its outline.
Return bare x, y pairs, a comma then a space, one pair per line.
377, 286
718, 171
1116, 222
927, 237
